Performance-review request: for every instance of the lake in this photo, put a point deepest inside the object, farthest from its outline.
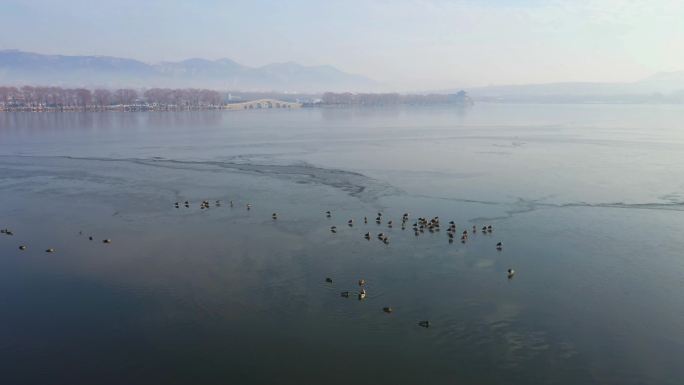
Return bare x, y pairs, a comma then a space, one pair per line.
587, 201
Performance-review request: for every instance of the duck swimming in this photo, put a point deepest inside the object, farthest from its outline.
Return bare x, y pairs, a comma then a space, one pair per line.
50, 250
22, 247
345, 294
328, 280
362, 282
107, 240
425, 324
387, 309
499, 246
510, 273
333, 229
274, 216
362, 294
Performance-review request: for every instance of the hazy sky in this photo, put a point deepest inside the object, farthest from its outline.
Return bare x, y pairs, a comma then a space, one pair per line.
410, 44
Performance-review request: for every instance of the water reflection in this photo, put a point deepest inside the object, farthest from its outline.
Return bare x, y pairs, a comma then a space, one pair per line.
229, 295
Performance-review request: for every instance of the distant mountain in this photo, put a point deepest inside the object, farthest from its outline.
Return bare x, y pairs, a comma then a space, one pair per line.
661, 87
25, 68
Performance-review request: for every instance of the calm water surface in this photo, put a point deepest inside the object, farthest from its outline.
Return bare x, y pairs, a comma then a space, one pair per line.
587, 199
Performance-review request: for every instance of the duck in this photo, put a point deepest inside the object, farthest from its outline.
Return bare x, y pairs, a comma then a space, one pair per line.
249, 206
231, 203
367, 235
387, 309
385, 239
389, 224
107, 240
333, 229
22, 247
474, 229
499, 246
425, 324
510, 273
489, 228
90, 238
344, 294
274, 216
350, 222
362, 294
365, 219
381, 235
9, 232
328, 214
362, 282
328, 280
50, 250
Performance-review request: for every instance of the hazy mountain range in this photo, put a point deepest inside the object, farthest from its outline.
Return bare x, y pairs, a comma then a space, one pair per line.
661, 87
25, 68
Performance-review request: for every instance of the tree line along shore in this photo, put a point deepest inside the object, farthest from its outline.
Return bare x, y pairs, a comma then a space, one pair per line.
48, 99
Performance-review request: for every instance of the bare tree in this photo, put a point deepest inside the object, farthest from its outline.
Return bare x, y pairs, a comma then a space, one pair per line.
102, 97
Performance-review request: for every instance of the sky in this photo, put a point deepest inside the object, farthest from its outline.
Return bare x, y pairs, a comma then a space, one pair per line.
405, 44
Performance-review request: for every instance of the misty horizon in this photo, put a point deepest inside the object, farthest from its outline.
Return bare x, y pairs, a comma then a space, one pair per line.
405, 45
21, 68
383, 86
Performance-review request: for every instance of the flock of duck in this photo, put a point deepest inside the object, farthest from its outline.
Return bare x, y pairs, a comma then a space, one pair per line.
7, 231
419, 226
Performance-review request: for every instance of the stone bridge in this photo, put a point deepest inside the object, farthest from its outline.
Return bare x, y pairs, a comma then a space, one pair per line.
262, 103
